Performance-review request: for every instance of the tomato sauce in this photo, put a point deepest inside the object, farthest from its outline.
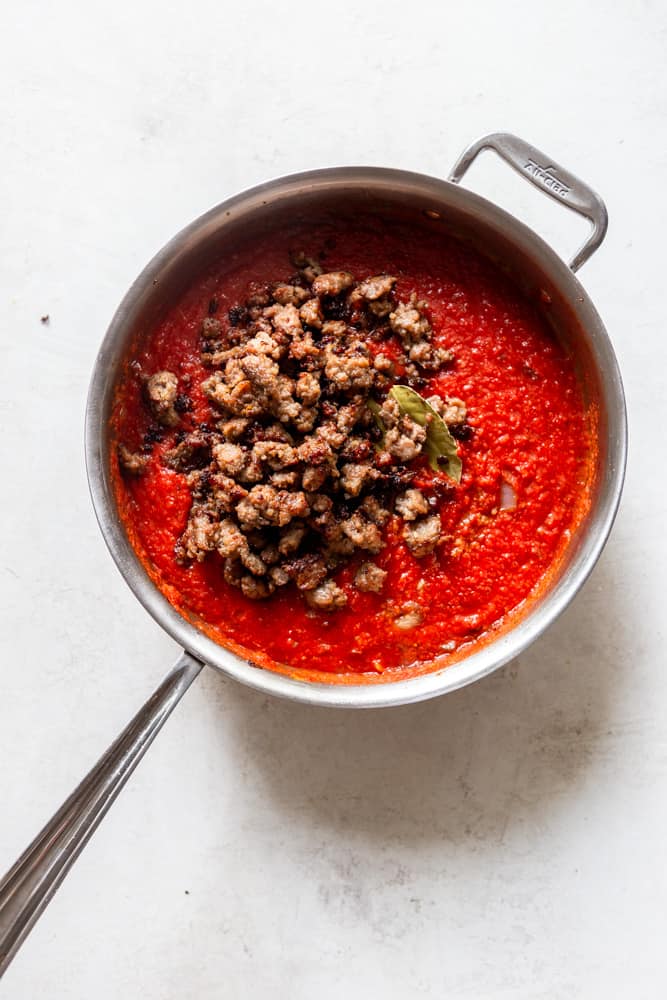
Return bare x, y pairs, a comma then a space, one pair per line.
530, 430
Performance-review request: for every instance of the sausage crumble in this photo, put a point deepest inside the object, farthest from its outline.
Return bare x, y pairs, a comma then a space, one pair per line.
296, 473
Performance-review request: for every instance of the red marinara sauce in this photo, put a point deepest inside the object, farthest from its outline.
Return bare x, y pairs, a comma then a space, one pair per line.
530, 429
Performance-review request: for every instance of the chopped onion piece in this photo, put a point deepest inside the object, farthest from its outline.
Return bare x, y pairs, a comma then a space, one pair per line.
508, 499
411, 620
412, 616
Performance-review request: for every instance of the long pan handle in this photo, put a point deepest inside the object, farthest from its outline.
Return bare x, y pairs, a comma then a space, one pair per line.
29, 885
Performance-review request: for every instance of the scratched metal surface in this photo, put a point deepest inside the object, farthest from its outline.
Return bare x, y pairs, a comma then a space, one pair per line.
507, 840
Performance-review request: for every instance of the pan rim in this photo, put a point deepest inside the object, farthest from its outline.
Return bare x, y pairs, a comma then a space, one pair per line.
480, 662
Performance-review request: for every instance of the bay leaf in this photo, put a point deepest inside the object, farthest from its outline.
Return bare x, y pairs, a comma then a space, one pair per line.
440, 446
375, 410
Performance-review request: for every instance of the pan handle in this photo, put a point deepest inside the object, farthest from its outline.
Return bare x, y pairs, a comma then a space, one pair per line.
549, 177
29, 885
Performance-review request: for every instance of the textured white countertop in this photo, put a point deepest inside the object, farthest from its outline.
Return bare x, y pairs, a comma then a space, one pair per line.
505, 841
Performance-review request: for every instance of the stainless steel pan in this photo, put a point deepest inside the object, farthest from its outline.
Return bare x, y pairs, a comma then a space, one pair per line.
29, 885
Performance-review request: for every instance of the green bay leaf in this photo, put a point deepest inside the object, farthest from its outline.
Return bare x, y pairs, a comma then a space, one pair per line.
375, 410
440, 445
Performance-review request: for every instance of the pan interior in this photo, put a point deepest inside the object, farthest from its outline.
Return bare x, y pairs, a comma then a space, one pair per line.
385, 197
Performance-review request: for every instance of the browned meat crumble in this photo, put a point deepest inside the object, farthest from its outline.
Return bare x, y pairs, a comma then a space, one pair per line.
132, 462
161, 393
296, 477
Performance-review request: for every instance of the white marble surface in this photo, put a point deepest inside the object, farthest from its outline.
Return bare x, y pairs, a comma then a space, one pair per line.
506, 841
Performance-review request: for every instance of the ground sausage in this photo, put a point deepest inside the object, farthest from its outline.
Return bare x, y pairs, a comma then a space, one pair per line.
162, 392
306, 453
327, 596
411, 505
132, 462
423, 535
332, 283
370, 578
